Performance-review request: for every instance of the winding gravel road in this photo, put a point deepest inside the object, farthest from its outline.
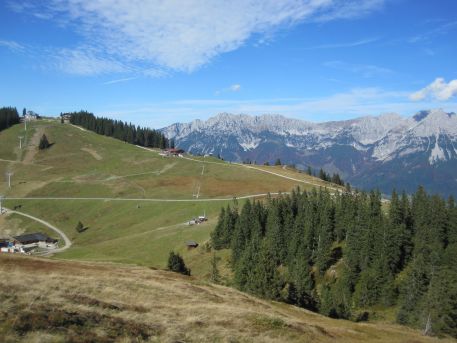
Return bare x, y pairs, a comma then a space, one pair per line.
66, 240
147, 199
236, 164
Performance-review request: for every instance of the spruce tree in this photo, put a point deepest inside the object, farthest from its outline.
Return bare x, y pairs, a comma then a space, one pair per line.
303, 282
325, 232
218, 234
265, 279
215, 276
452, 222
44, 143
80, 227
342, 294
326, 305
309, 171
275, 233
176, 264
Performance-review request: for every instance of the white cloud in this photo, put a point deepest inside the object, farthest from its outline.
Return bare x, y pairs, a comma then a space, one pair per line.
12, 45
349, 9
339, 106
184, 35
344, 45
365, 70
86, 62
233, 88
438, 89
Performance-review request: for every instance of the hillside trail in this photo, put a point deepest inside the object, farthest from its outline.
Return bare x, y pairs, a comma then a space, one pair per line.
249, 167
32, 146
261, 170
250, 196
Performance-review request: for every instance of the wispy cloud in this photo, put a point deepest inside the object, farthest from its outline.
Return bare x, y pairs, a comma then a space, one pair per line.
365, 70
348, 9
119, 80
438, 90
12, 45
429, 52
233, 88
343, 105
437, 31
344, 45
86, 62
180, 35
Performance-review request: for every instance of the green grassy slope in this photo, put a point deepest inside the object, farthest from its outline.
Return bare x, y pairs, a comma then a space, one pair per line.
85, 164
82, 164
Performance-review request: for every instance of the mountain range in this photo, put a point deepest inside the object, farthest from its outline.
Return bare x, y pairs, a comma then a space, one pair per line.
386, 152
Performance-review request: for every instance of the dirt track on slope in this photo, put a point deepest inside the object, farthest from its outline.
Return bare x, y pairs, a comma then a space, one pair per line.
32, 147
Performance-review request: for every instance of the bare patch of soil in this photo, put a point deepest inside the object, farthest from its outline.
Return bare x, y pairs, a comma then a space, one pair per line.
93, 153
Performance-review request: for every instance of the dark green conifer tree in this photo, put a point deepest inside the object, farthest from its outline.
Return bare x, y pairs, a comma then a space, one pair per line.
176, 264
44, 143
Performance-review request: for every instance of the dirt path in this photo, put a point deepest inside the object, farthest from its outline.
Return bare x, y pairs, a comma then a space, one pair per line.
26, 163
78, 127
50, 226
251, 167
260, 195
32, 146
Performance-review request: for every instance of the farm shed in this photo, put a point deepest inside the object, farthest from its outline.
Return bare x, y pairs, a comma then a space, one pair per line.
35, 239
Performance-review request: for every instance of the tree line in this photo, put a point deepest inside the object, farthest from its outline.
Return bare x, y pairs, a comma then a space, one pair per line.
8, 117
118, 129
343, 254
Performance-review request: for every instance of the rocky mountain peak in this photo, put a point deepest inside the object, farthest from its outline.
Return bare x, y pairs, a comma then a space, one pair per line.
369, 147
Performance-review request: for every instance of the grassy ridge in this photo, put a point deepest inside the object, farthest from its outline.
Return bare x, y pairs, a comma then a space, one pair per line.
85, 164
104, 302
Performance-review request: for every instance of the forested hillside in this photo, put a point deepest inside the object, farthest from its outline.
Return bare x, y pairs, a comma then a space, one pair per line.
345, 254
119, 130
8, 117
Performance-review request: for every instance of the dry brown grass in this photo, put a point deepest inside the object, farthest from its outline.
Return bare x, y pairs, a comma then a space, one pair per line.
57, 301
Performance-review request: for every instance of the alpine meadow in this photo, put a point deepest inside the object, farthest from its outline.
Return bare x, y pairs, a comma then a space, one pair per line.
229, 171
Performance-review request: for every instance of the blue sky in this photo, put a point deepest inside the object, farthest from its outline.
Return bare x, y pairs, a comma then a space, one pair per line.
158, 62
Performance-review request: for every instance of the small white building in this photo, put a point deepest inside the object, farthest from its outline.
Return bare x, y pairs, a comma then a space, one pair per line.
31, 116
